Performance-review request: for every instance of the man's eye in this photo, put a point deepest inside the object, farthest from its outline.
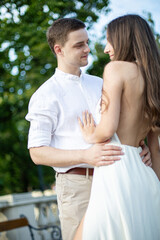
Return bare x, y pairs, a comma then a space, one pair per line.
80, 45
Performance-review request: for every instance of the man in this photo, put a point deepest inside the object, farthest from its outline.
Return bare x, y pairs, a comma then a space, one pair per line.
54, 136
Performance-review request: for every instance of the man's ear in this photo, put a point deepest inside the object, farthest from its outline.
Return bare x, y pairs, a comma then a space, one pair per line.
58, 49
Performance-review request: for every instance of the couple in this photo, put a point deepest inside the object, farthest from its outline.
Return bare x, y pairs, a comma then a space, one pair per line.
55, 138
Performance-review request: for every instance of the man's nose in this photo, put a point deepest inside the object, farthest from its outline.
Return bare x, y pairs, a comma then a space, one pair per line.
87, 49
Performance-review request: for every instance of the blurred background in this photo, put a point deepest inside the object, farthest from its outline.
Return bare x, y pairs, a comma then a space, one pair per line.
26, 62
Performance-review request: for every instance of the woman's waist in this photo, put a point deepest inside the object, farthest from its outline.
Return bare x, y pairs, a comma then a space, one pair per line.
126, 147
124, 141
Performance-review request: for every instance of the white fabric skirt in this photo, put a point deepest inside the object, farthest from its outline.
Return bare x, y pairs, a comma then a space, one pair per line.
125, 200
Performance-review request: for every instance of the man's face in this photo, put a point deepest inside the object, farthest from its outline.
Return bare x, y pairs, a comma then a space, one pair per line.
76, 49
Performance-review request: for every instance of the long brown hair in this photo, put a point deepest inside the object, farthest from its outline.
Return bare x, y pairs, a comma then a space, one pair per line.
133, 41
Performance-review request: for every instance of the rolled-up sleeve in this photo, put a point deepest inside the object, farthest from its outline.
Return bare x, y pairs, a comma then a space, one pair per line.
42, 115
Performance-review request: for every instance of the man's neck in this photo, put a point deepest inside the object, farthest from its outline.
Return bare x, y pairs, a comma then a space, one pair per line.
70, 70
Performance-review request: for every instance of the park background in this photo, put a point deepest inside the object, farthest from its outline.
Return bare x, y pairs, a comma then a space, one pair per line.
26, 62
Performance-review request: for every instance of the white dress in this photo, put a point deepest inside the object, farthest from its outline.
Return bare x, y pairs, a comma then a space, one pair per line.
125, 200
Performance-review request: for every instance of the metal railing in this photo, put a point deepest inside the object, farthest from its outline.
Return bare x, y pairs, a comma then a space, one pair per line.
39, 208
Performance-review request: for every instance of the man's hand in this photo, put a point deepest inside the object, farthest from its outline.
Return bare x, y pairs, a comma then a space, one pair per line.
102, 154
145, 154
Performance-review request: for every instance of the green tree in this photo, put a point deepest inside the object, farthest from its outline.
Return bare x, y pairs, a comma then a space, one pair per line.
26, 62
152, 25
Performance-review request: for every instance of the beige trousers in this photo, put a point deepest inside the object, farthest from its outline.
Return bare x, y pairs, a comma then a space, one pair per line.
73, 193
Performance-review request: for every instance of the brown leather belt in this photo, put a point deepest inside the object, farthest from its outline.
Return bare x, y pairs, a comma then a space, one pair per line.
81, 171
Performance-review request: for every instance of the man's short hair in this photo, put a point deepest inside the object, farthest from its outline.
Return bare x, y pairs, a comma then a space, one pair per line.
58, 32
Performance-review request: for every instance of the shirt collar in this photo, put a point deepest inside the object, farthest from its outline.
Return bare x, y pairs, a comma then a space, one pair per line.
67, 76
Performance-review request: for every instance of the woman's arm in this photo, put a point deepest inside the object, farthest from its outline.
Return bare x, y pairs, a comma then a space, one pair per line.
113, 87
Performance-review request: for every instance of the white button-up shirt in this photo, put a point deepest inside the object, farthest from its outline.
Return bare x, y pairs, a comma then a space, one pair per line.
54, 108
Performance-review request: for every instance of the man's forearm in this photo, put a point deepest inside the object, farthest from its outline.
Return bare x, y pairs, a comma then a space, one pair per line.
50, 156
97, 155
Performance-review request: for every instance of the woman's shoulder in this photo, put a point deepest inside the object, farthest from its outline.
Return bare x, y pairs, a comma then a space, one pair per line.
113, 68
113, 65
120, 68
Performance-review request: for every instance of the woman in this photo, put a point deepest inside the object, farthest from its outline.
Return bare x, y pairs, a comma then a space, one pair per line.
125, 196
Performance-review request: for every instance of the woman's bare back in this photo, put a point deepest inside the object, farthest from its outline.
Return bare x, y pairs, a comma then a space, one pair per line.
133, 126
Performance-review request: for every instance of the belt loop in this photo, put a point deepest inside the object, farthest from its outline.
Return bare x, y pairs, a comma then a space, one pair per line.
87, 172
57, 174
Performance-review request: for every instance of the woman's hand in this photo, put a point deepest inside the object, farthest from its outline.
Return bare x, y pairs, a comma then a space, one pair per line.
145, 154
87, 126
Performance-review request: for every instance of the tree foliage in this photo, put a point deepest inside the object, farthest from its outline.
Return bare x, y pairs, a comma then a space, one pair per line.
100, 61
26, 62
152, 25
